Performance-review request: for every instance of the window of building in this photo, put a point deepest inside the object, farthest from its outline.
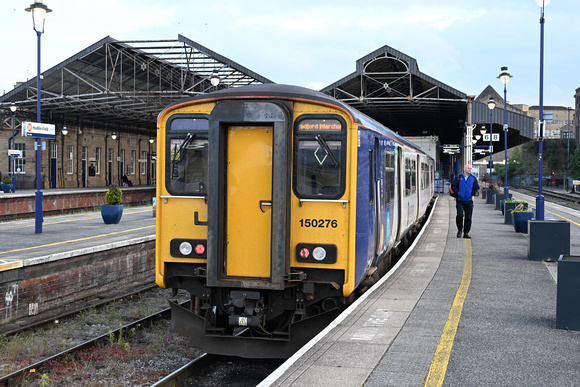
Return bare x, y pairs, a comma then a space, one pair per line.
53, 151
69, 159
133, 161
98, 161
20, 162
143, 162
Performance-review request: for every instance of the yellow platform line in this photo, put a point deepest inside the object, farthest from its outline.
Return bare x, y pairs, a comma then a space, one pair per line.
64, 221
75, 240
5, 266
441, 357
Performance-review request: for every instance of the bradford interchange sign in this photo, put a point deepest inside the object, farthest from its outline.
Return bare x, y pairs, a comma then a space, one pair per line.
35, 129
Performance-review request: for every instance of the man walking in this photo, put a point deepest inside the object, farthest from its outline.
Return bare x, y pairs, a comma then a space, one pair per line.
464, 189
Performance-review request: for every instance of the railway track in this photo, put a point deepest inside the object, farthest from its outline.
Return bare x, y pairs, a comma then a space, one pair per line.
63, 316
567, 199
16, 377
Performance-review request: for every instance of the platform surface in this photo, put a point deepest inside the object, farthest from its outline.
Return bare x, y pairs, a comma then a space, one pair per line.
64, 235
458, 312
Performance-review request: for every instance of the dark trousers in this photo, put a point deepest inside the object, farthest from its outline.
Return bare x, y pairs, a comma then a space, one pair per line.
463, 218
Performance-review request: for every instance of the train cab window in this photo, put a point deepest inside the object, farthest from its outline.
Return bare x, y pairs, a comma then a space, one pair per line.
389, 177
319, 157
187, 155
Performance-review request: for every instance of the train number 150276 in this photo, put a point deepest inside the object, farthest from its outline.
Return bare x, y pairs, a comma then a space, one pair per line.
320, 223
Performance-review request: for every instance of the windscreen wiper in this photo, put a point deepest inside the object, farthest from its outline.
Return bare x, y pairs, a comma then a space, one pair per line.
324, 146
179, 153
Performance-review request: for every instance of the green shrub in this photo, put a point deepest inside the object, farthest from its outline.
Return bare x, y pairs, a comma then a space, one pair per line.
114, 195
7, 180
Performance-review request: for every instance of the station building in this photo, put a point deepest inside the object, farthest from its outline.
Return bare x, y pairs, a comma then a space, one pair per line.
104, 103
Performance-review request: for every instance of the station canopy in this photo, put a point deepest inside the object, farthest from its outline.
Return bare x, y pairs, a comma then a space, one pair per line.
388, 87
128, 82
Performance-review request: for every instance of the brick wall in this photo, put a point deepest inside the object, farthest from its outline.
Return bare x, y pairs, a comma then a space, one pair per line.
24, 206
59, 283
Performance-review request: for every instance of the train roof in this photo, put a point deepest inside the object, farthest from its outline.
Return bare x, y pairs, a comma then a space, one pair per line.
291, 92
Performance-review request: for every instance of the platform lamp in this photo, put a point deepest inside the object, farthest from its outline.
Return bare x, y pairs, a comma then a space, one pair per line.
568, 149
13, 109
504, 77
491, 106
215, 79
39, 12
540, 197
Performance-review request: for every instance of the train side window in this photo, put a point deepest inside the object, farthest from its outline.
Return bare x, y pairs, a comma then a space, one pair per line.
319, 157
187, 155
410, 177
389, 177
371, 177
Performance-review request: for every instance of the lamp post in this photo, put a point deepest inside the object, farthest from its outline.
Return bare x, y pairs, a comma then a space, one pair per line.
568, 149
39, 12
504, 77
540, 197
13, 109
491, 106
215, 80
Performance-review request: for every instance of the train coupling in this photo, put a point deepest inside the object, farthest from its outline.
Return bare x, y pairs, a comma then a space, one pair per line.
245, 308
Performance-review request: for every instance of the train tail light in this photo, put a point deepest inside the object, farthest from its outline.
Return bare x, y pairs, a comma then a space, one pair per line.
188, 248
199, 249
315, 253
304, 253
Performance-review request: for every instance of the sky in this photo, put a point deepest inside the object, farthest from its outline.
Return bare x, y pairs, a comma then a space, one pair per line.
462, 43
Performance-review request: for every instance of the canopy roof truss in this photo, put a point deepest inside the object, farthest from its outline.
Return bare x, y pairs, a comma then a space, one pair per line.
389, 87
127, 82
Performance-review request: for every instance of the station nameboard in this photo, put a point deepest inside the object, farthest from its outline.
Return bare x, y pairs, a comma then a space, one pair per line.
36, 129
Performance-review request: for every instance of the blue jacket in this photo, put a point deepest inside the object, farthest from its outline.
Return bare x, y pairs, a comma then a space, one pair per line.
463, 189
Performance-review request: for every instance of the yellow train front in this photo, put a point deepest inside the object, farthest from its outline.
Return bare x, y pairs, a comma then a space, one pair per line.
271, 209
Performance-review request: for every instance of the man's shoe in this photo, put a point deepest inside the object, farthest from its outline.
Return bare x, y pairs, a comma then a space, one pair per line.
466, 236
459, 234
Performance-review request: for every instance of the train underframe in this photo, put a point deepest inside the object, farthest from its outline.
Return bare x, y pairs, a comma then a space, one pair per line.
262, 323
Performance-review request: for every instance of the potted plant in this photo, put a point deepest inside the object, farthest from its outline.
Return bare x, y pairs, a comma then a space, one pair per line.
520, 216
113, 210
491, 191
509, 206
7, 185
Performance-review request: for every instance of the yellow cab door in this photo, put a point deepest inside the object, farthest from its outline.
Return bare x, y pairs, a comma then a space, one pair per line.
248, 201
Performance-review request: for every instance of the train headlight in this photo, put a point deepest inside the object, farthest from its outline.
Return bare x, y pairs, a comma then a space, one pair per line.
319, 253
315, 253
185, 248
188, 248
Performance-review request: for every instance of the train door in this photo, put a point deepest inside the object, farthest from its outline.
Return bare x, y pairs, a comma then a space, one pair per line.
248, 203
400, 192
248, 200
391, 197
376, 186
419, 184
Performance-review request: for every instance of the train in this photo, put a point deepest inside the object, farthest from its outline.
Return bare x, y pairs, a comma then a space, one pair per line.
276, 207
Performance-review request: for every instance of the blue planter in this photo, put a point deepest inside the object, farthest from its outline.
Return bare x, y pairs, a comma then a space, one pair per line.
520, 221
548, 239
508, 208
111, 213
7, 188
